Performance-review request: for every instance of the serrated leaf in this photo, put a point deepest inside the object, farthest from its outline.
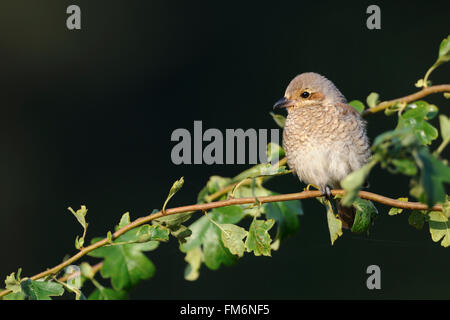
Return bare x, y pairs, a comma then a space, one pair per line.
258, 240
12, 282
214, 252
194, 258
433, 174
208, 235
232, 238
358, 105
439, 228
395, 211
126, 264
279, 119
41, 290
372, 99
285, 214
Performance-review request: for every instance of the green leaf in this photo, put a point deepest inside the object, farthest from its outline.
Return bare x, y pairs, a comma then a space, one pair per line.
366, 212
444, 50
214, 252
174, 220
405, 166
232, 236
194, 258
439, 228
176, 186
334, 224
258, 239
15, 296
198, 228
80, 214
420, 110
207, 235
354, 182
444, 123
12, 282
358, 105
274, 152
41, 290
153, 232
395, 211
286, 214
125, 264
124, 220
433, 174
279, 119
181, 233
420, 83
415, 116
372, 99
417, 219
108, 294
214, 184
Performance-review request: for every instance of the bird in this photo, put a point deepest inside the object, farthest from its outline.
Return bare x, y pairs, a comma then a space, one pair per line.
324, 138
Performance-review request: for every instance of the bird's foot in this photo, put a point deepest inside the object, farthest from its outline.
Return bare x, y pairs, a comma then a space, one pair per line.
326, 192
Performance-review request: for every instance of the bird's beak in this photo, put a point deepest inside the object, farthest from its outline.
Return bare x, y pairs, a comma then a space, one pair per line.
283, 103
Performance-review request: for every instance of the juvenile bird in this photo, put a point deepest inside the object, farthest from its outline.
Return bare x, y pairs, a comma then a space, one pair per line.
324, 138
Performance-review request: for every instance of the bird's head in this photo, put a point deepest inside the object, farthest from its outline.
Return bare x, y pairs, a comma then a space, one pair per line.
309, 89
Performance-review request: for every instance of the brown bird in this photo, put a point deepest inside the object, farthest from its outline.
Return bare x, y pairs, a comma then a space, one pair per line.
324, 138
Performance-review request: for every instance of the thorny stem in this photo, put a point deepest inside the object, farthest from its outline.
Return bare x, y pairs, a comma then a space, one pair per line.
224, 203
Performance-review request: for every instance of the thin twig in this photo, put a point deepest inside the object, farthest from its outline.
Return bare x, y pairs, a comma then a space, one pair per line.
225, 203
412, 97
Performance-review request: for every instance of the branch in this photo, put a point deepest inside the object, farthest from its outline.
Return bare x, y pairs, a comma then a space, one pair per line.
412, 97
225, 203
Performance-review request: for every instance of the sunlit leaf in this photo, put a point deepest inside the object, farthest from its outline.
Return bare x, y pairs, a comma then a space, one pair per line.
372, 99
232, 238
194, 258
439, 228
395, 211
258, 240
358, 105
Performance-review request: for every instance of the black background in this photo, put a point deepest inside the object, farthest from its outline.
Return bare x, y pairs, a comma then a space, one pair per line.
86, 118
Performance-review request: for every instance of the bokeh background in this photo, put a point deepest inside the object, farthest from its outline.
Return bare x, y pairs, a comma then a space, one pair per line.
86, 118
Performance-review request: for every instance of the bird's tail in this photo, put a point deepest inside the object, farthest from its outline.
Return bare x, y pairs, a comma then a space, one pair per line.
346, 215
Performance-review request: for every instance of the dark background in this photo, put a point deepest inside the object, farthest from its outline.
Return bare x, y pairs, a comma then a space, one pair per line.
86, 118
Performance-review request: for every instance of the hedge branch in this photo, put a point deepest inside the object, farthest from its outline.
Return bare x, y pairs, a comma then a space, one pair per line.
224, 203
412, 97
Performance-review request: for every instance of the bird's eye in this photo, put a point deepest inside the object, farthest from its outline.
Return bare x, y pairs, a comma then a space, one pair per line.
305, 94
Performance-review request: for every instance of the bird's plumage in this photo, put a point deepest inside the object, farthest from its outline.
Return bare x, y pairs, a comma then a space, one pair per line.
324, 138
